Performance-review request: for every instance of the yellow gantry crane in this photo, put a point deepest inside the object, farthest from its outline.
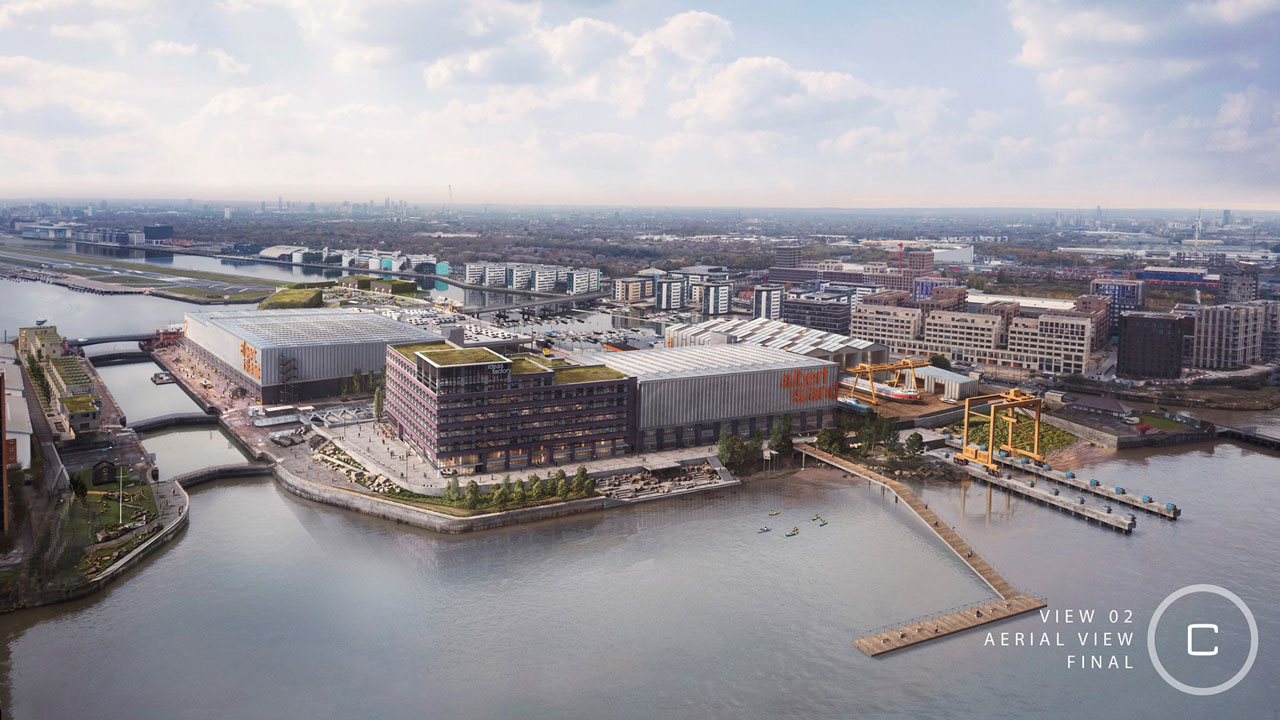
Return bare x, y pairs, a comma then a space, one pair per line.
861, 381
1012, 407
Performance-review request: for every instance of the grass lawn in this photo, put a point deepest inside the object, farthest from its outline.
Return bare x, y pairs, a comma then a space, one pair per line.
1051, 438
1160, 422
244, 295
293, 298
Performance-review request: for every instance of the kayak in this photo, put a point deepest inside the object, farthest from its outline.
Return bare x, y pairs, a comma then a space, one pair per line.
775, 512
824, 522
764, 529
815, 517
793, 532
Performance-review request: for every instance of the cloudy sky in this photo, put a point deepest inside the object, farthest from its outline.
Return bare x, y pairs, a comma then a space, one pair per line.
742, 102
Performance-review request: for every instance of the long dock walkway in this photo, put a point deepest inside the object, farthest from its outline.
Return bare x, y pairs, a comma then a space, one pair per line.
1011, 601
1133, 500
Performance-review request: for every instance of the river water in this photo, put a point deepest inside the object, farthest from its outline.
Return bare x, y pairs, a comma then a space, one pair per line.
272, 606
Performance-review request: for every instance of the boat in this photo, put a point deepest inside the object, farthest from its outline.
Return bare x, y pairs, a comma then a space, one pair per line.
794, 532
824, 522
764, 529
162, 378
41, 321
881, 389
816, 516
774, 512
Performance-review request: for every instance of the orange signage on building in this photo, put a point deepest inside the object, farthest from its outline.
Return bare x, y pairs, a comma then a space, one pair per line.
807, 386
249, 354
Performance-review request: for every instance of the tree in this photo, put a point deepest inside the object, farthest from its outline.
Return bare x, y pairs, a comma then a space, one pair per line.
548, 488
377, 401
780, 438
582, 484
518, 494
731, 449
78, 487
356, 381
472, 499
940, 361
755, 446
831, 440
562, 485
451, 491
344, 387
500, 496
535, 487
915, 444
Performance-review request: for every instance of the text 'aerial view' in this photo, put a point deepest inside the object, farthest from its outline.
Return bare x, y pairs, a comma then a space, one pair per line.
597, 359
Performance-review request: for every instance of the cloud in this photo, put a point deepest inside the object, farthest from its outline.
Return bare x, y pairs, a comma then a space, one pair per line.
113, 33
227, 65
171, 48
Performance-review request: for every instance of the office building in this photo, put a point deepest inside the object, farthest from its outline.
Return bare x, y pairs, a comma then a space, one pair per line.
1052, 343
472, 410
787, 255
826, 310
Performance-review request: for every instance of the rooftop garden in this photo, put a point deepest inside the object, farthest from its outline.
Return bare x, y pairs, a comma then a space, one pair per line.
79, 403
293, 298
70, 370
463, 356
593, 373
409, 350
525, 366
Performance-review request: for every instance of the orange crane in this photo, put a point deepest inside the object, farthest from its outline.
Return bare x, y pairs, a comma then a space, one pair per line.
1011, 407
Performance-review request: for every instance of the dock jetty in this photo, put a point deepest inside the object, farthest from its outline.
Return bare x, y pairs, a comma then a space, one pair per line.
1011, 602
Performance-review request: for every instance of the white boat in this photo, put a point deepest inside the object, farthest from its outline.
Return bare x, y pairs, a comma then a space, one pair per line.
881, 389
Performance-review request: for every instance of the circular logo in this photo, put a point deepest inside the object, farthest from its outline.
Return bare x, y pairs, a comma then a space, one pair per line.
1253, 639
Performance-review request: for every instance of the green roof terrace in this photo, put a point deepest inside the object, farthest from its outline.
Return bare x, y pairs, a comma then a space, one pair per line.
524, 365
586, 374
409, 350
462, 356
78, 403
70, 370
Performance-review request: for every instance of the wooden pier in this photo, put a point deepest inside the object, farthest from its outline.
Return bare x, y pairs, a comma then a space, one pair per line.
1011, 601
1131, 500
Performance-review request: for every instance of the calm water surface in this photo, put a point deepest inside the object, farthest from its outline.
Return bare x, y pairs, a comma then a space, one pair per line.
272, 606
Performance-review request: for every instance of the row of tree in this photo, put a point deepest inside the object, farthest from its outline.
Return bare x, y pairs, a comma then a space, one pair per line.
872, 431
738, 454
517, 493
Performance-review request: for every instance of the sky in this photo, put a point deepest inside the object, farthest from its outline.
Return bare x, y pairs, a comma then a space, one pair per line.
1028, 103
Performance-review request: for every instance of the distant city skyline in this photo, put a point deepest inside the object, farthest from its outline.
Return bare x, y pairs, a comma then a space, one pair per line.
717, 104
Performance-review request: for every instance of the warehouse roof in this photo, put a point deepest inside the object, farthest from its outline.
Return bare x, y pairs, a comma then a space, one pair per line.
700, 361
776, 334
943, 375
312, 326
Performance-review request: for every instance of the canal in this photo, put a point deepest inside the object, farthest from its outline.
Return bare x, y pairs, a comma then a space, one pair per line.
271, 606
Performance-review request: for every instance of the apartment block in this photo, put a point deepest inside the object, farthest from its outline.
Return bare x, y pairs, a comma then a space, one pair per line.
633, 289
1052, 343
1150, 345
1228, 337
1126, 295
898, 328
766, 301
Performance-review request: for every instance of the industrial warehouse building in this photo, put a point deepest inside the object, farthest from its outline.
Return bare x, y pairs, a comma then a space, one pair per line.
291, 355
845, 351
687, 396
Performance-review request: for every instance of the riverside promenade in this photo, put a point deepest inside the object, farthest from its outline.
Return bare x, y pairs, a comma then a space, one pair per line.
1011, 602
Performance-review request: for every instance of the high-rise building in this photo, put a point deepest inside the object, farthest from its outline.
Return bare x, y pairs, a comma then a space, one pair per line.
1150, 344
1053, 343
766, 301
1237, 287
1226, 218
1126, 295
826, 310
1228, 337
633, 289
716, 297
582, 281
669, 293
787, 255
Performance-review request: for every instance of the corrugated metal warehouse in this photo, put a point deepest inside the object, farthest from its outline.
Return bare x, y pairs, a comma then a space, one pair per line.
290, 355
687, 396
954, 385
848, 352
